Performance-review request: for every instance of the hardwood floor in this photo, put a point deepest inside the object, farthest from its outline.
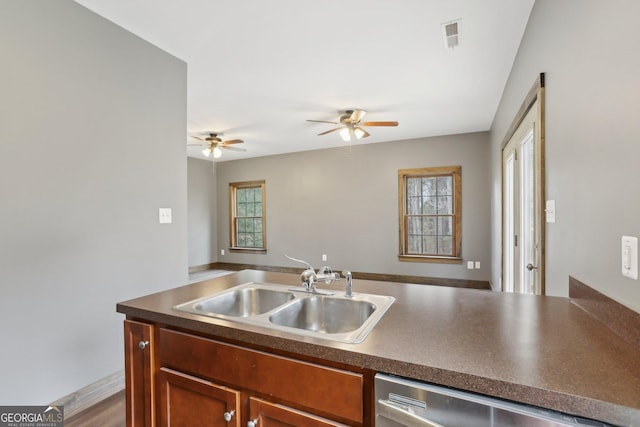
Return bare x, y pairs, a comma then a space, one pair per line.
108, 413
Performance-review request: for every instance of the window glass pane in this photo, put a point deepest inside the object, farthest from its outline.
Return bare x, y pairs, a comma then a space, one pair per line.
414, 245
444, 245
445, 226
415, 225
429, 226
445, 186
429, 206
242, 195
241, 239
258, 240
430, 245
428, 187
413, 206
257, 194
250, 209
258, 209
249, 240
242, 209
445, 206
413, 187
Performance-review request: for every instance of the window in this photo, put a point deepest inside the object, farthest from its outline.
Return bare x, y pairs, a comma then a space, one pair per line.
430, 214
248, 216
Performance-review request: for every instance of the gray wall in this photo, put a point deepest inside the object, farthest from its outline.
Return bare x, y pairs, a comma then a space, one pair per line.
91, 145
203, 235
344, 203
588, 50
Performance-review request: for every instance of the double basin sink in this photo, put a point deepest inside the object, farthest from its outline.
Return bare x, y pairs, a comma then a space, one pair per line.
334, 317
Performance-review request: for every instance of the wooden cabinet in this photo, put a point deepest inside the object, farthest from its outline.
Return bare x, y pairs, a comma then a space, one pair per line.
267, 414
179, 379
189, 401
294, 388
139, 378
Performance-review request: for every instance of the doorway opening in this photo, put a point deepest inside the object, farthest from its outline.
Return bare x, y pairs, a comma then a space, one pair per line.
523, 255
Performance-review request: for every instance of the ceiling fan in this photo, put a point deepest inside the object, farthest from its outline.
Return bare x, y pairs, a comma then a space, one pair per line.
213, 144
351, 124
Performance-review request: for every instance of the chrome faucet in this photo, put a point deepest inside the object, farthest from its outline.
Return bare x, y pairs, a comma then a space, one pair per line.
309, 277
348, 293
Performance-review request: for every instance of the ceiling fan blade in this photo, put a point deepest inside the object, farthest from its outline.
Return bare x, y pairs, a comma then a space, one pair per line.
198, 138
233, 148
357, 115
233, 141
330, 130
379, 124
323, 121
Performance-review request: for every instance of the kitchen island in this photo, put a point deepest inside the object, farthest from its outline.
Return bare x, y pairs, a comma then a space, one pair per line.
542, 351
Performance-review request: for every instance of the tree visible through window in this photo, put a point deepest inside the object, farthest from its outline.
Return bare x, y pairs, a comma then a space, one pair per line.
248, 215
430, 214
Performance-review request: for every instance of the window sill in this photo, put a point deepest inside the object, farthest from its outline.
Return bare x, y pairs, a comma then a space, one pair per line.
248, 250
435, 259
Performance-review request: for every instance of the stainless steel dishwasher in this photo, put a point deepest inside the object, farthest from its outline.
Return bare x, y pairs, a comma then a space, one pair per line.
402, 402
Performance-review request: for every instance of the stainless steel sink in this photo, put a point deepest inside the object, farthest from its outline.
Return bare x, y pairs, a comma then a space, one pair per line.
288, 310
327, 315
248, 300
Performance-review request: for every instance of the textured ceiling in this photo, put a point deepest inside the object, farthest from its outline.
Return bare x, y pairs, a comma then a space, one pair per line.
257, 70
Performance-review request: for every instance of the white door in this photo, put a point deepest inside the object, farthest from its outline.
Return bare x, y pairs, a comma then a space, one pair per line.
522, 213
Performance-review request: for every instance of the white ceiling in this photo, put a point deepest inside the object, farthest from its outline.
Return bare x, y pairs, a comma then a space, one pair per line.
257, 70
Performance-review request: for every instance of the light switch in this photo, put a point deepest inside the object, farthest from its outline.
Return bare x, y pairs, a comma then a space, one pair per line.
630, 257
550, 211
164, 215
470, 265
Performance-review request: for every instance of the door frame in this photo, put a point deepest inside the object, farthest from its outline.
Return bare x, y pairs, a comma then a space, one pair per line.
535, 94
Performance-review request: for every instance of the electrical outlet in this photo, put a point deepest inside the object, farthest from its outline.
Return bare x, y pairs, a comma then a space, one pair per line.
324, 257
470, 265
477, 265
222, 252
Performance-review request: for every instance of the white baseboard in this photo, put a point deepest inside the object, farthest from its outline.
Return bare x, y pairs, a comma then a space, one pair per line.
92, 394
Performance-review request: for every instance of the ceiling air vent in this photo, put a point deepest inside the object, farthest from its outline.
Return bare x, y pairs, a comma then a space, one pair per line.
450, 33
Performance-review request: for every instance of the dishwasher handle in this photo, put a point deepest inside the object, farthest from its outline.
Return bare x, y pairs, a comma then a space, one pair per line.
392, 411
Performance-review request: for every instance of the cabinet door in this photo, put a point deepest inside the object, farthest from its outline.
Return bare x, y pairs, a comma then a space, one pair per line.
189, 401
267, 414
138, 363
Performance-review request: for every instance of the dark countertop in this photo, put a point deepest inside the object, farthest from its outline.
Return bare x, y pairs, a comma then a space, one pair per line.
543, 351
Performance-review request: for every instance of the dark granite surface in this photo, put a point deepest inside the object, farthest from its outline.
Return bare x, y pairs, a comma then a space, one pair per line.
543, 351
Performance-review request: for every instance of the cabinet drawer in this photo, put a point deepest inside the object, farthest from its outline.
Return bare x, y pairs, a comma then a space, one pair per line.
330, 391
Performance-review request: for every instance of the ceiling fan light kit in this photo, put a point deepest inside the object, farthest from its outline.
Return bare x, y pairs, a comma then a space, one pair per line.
351, 125
213, 144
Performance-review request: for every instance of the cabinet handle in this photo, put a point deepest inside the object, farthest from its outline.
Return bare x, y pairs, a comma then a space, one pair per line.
143, 344
229, 415
252, 423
